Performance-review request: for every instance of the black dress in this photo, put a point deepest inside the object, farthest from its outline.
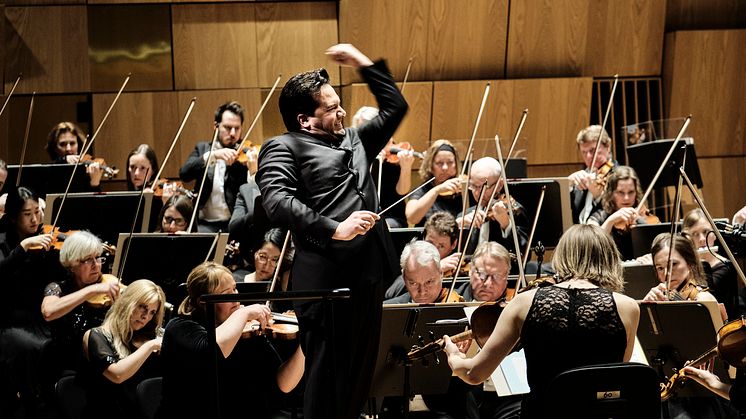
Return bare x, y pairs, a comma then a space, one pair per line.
567, 328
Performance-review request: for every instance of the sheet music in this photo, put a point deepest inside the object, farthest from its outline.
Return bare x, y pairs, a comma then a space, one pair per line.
510, 376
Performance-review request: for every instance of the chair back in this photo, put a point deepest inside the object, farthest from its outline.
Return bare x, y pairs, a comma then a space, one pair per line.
71, 398
149, 393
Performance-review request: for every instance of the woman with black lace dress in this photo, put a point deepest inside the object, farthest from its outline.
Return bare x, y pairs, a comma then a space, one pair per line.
582, 320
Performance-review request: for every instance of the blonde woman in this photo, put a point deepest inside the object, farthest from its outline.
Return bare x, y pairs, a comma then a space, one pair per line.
119, 353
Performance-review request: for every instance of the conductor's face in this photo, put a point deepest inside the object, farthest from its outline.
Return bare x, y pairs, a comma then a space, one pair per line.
328, 118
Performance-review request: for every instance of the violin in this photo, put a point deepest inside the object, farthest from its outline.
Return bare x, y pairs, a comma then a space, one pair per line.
244, 150
164, 185
58, 239
104, 300
604, 170
280, 331
463, 180
506, 203
645, 214
731, 347
393, 150
109, 171
453, 298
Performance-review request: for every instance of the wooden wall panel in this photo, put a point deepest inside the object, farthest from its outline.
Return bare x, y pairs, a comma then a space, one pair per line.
724, 183
467, 41
214, 46
705, 14
292, 37
558, 109
392, 29
415, 127
49, 45
704, 78
553, 170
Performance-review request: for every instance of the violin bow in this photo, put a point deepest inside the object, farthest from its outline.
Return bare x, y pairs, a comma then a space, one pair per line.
204, 176
476, 127
521, 274
88, 147
132, 232
212, 247
510, 152
406, 75
176, 138
258, 114
464, 202
674, 225
13, 89
533, 226
25, 139
603, 124
279, 265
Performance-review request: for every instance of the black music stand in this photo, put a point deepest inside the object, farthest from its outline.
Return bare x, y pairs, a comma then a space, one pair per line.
46, 179
638, 279
152, 256
516, 168
555, 216
211, 299
103, 214
673, 332
642, 236
401, 327
646, 158
402, 236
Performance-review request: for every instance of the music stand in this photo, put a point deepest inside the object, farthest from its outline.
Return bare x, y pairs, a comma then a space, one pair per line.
673, 332
46, 179
402, 236
103, 214
556, 215
516, 168
642, 236
638, 279
401, 325
252, 287
646, 158
151, 256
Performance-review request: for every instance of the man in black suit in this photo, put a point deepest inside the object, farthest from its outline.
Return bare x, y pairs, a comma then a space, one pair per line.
585, 195
314, 180
217, 200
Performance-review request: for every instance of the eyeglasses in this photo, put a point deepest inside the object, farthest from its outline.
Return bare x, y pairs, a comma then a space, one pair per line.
264, 258
475, 188
484, 276
178, 221
93, 261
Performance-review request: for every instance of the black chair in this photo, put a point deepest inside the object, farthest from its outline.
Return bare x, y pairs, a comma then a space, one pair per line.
149, 393
71, 398
613, 391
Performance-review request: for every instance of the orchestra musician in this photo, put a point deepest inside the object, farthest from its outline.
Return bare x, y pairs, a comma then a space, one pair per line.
119, 353
175, 214
588, 184
247, 368
734, 392
3, 175
315, 181
225, 174
142, 165
396, 178
442, 163
420, 265
266, 257
589, 281
64, 144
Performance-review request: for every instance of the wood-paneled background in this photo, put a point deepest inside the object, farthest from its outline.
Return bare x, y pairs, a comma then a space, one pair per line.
543, 56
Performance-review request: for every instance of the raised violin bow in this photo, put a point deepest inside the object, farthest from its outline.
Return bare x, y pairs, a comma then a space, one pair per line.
13, 89
132, 232
533, 226
279, 265
603, 124
674, 225
204, 176
521, 274
258, 114
176, 138
470, 149
212, 247
406, 75
25, 139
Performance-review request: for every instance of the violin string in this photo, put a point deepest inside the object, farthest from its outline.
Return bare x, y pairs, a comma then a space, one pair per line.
176, 138
13, 89
25, 139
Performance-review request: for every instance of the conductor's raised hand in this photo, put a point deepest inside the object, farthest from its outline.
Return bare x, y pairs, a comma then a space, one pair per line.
348, 55
359, 222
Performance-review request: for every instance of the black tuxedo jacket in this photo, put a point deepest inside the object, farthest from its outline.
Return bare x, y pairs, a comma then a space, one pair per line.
193, 169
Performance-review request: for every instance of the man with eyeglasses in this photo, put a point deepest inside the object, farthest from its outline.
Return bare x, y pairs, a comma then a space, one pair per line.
493, 224
315, 181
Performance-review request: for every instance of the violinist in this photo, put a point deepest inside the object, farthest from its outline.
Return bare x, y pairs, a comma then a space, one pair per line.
396, 177
598, 325
65, 303
493, 224
64, 144
225, 174
621, 195
442, 163
23, 274
687, 275
175, 214
142, 165
119, 354
266, 256
588, 184
247, 367
420, 264
735, 392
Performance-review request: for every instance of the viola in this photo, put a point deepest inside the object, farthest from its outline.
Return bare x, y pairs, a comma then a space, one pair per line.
104, 300
731, 347
392, 151
109, 171
175, 186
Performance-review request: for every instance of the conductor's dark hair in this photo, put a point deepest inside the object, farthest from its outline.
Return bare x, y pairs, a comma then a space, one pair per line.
299, 96
234, 107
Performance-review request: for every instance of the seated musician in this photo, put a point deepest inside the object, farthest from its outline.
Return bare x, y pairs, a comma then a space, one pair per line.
118, 354
249, 370
64, 144
396, 178
588, 185
176, 214
493, 224
589, 280
442, 231
488, 273
443, 194
142, 166
420, 264
620, 197
266, 256
735, 392
66, 301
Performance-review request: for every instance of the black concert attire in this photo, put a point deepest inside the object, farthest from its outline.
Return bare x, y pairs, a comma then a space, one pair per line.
234, 177
395, 217
622, 238
396, 289
567, 328
581, 203
80, 183
247, 377
24, 335
104, 397
310, 185
451, 203
723, 284
496, 234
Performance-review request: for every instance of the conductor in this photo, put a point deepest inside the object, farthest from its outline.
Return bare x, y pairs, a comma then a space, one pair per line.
315, 181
